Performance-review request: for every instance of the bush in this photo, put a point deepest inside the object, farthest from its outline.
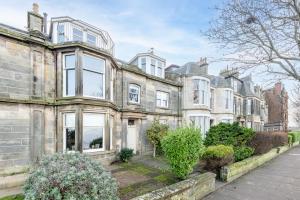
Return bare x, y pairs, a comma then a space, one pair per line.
155, 133
241, 153
263, 142
217, 156
69, 176
290, 140
296, 136
228, 134
126, 154
182, 148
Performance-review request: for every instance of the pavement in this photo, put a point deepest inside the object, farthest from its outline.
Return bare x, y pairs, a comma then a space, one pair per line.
278, 179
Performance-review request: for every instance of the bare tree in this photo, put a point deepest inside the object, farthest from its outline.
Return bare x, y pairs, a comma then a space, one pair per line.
295, 99
260, 33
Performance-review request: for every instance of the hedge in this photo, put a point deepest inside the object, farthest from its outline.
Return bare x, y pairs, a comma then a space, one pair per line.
295, 136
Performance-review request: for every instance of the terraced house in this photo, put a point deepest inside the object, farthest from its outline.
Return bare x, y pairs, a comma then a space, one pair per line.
63, 90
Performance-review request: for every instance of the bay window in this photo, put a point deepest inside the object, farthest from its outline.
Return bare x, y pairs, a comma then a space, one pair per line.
93, 76
93, 132
69, 136
134, 93
201, 92
69, 75
201, 122
162, 99
249, 106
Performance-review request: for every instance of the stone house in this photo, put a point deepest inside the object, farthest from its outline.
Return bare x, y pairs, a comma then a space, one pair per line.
64, 91
277, 99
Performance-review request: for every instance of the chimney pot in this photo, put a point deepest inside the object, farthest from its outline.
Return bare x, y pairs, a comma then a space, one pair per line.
35, 8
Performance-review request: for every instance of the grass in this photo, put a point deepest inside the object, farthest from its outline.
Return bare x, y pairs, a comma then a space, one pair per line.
14, 197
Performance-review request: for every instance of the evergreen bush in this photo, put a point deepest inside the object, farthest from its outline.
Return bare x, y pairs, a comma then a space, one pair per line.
182, 148
69, 176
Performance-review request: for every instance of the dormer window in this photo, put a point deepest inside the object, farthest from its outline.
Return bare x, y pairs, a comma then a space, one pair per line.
91, 39
77, 34
143, 61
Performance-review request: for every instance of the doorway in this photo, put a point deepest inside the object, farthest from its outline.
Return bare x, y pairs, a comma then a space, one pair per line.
131, 135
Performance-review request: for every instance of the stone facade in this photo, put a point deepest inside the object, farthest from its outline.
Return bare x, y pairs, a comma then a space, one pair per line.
65, 91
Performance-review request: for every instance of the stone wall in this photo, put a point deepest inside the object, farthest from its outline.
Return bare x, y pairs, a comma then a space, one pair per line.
193, 188
235, 170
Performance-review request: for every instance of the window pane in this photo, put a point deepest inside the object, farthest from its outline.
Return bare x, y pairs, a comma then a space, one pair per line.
77, 35
92, 84
69, 119
69, 61
134, 93
159, 71
70, 139
70, 82
93, 126
93, 64
60, 33
91, 39
92, 138
152, 70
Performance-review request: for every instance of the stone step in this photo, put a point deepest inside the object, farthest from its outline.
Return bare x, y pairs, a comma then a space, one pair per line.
12, 181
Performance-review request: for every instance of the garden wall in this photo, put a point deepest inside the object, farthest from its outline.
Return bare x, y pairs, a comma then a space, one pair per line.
231, 172
193, 188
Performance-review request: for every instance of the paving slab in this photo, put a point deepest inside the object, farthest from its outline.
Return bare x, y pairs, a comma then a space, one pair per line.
278, 179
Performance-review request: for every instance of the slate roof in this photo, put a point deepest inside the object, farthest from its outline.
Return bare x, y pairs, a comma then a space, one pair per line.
220, 82
190, 69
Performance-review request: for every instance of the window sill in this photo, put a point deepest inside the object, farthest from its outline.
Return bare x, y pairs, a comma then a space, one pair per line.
133, 103
99, 152
164, 108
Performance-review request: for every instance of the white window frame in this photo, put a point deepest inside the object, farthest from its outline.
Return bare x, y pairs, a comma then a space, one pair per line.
203, 93
138, 87
228, 99
58, 33
153, 66
80, 29
249, 105
65, 75
103, 80
92, 34
204, 120
159, 96
144, 64
64, 131
103, 131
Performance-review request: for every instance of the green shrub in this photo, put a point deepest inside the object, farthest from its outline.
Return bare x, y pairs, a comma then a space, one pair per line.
296, 136
217, 156
126, 154
228, 134
155, 133
290, 139
241, 153
69, 176
182, 148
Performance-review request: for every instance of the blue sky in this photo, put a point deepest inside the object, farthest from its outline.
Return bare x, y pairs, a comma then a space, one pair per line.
171, 27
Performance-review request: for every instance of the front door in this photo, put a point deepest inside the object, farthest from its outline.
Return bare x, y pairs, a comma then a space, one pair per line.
131, 135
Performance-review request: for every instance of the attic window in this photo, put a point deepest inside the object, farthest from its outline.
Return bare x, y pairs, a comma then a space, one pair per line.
77, 34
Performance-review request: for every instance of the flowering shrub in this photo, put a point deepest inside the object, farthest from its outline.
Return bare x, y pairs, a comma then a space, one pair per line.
70, 176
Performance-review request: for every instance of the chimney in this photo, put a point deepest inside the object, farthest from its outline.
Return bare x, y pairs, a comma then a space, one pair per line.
35, 8
278, 88
34, 19
45, 23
